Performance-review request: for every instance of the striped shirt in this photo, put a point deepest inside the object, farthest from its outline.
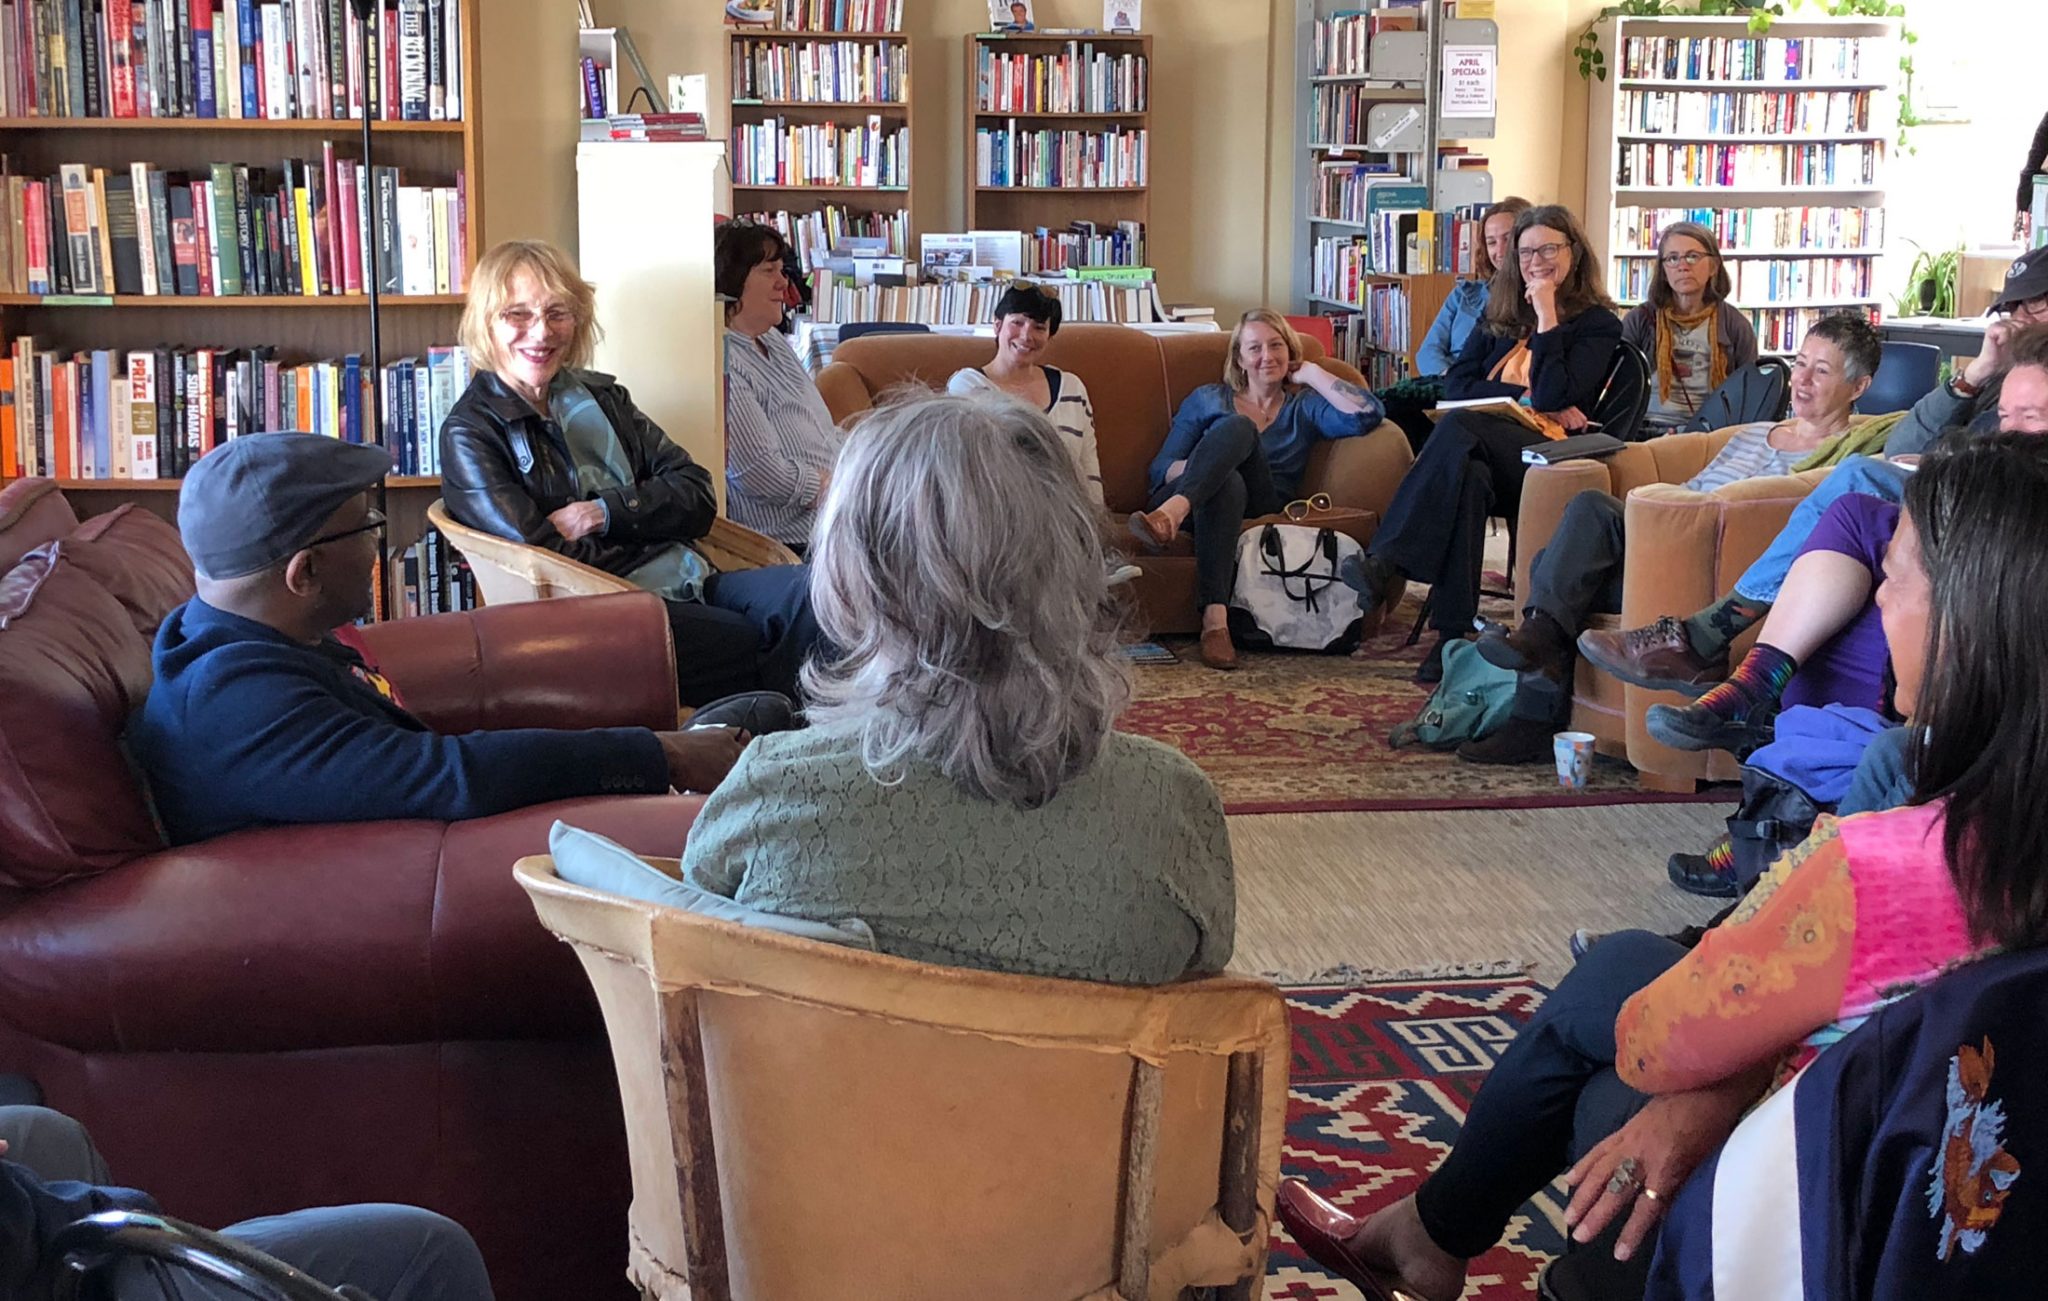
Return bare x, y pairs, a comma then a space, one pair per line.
780, 441
1748, 455
1071, 413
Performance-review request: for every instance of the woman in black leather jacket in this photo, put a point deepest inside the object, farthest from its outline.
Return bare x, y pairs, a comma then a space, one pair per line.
542, 450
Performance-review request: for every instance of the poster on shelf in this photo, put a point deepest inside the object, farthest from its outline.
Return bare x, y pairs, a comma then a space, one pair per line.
1468, 81
1121, 16
1011, 16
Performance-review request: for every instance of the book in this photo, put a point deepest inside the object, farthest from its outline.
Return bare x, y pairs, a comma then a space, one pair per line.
1121, 16
1010, 16
1576, 447
1508, 407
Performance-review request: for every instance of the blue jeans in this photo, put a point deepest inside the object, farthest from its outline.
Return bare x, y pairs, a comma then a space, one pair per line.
394, 1253
1881, 780
1865, 474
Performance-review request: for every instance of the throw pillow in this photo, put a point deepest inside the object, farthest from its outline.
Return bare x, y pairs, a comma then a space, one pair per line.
137, 557
598, 863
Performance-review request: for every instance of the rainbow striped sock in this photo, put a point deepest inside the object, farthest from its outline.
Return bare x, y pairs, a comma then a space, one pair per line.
1759, 680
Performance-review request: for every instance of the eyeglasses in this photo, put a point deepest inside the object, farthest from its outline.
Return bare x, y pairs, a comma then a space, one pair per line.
1541, 253
522, 318
1299, 508
373, 520
1685, 259
2030, 309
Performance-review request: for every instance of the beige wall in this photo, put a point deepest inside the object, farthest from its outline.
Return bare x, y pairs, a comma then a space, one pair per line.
529, 139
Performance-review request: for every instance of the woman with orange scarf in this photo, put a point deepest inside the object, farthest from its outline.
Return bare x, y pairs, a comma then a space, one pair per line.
1692, 336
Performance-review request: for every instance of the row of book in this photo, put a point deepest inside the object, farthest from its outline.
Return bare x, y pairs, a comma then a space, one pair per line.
1646, 163
837, 300
1084, 244
305, 230
1782, 329
839, 15
1337, 115
821, 72
1341, 45
277, 59
1079, 79
1746, 58
779, 151
1082, 160
1356, 339
149, 414
1745, 112
1341, 268
1761, 230
816, 233
433, 578
1763, 280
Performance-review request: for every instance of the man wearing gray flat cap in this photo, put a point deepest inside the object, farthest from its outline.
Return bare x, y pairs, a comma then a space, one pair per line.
259, 716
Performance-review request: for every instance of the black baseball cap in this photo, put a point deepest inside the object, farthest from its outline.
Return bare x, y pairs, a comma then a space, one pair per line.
2026, 278
254, 500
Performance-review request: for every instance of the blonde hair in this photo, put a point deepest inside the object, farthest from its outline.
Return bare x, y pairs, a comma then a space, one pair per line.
490, 288
1233, 368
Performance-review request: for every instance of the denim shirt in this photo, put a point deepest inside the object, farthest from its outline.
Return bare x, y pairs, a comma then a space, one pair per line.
1453, 325
1305, 417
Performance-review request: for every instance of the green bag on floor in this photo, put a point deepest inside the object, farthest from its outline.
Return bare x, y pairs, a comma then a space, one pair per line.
1472, 700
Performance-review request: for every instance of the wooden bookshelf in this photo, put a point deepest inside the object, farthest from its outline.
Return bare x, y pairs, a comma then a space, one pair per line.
1027, 207
800, 201
300, 328
1830, 261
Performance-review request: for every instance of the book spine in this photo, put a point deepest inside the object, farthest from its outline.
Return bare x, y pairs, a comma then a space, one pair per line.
389, 270
148, 448
412, 60
121, 42
437, 73
79, 241
161, 233
305, 57
336, 49
245, 236
206, 96
277, 95
226, 243
247, 58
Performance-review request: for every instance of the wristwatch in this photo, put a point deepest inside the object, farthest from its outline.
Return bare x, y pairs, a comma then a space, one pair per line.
1962, 388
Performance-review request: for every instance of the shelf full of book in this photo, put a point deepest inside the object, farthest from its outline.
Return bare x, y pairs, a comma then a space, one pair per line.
821, 104
187, 227
1778, 144
1058, 138
1386, 210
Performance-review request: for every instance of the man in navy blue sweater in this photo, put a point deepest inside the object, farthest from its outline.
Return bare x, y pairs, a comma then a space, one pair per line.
258, 716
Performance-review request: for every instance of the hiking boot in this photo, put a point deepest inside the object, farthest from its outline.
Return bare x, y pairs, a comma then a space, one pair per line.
1695, 874
1657, 656
1518, 740
1539, 645
1693, 727
1369, 576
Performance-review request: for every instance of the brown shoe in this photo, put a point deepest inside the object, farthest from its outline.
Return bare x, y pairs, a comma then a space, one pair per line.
1152, 528
1658, 657
1218, 652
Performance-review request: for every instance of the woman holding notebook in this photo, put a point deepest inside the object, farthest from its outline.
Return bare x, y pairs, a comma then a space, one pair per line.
1540, 353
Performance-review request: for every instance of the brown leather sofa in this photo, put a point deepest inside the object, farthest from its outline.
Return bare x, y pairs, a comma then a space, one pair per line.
1685, 550
1136, 382
300, 1016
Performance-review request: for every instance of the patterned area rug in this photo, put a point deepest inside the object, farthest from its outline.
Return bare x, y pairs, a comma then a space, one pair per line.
1382, 1075
1294, 732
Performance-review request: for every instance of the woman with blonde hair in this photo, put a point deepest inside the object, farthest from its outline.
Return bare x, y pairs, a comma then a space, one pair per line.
961, 787
1237, 450
1692, 335
543, 451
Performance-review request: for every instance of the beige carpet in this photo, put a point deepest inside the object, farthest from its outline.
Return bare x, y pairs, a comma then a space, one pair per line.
1423, 891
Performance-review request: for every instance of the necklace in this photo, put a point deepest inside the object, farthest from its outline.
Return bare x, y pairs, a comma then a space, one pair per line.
1266, 410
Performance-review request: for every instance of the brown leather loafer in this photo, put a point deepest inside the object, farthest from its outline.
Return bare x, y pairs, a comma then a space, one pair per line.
1218, 652
1323, 1230
1657, 656
1153, 529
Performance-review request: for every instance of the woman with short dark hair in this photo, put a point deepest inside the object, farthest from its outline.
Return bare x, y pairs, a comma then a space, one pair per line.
1027, 318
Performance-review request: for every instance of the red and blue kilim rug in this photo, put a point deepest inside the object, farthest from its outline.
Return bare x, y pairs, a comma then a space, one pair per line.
1381, 1078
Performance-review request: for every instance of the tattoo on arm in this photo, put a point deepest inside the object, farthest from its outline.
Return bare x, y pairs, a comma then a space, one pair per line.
1345, 388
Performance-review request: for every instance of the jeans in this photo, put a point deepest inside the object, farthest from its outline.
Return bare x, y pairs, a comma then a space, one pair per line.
1865, 474
1553, 1095
394, 1253
1227, 481
1881, 780
752, 632
1470, 468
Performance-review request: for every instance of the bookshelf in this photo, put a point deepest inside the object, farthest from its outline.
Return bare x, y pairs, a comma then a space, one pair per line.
1778, 144
1376, 245
300, 327
820, 144
1066, 138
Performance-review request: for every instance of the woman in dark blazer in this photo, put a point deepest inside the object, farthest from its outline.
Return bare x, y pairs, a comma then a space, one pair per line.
1545, 343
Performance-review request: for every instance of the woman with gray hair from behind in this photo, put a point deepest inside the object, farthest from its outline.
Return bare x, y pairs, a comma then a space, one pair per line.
961, 788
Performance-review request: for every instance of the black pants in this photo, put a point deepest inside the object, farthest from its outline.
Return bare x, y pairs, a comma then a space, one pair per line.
1579, 573
1435, 529
1552, 1097
1228, 482
752, 632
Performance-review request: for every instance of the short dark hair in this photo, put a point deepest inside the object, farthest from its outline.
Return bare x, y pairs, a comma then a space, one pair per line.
1982, 721
737, 249
1862, 347
1025, 299
2029, 347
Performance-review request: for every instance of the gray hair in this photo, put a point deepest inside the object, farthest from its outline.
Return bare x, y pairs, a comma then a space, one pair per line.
958, 569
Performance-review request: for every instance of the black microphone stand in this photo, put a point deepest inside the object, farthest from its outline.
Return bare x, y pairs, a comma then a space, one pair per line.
373, 271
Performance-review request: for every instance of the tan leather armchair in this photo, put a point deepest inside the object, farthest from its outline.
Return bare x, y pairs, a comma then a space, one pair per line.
811, 1121
508, 571
1685, 550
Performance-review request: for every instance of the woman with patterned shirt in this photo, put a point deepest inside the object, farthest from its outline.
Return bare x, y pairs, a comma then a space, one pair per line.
1870, 909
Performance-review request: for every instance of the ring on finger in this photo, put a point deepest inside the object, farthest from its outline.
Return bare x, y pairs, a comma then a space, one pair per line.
1651, 1194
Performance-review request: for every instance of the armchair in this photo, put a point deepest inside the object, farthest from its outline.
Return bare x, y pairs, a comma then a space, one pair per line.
1685, 550
812, 1121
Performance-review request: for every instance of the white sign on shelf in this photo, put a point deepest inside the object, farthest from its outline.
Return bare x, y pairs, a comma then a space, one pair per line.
1468, 81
